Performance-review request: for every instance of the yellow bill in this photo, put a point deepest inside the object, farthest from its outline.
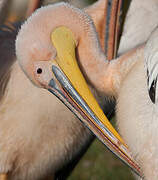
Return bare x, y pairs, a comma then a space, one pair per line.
71, 88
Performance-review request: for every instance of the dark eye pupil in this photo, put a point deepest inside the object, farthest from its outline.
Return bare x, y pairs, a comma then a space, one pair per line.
39, 71
152, 91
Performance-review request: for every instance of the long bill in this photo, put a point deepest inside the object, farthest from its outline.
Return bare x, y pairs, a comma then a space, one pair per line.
69, 85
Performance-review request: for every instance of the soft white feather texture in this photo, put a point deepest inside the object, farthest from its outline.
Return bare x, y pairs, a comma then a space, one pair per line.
151, 56
136, 114
137, 120
141, 20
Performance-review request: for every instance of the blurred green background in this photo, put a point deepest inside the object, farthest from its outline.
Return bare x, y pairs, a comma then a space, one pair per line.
99, 163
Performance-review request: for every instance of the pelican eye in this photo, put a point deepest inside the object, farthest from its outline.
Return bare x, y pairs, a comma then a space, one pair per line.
39, 71
152, 91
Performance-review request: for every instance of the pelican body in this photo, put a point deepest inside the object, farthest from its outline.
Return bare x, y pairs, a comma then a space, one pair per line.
49, 62
141, 87
141, 136
124, 77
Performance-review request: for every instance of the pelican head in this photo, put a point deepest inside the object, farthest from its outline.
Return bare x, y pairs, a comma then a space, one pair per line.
50, 48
